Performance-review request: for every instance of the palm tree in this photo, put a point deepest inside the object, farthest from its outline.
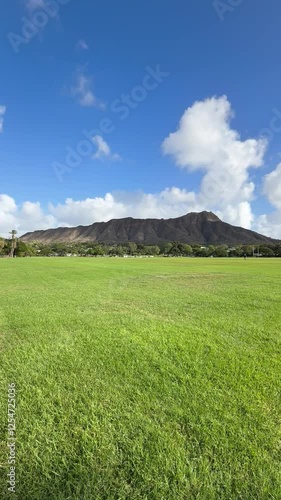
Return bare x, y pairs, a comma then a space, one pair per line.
14, 242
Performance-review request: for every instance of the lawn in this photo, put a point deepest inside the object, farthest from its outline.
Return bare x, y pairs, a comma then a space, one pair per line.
142, 378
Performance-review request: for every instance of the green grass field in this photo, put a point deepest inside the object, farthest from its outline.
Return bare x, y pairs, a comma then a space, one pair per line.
142, 378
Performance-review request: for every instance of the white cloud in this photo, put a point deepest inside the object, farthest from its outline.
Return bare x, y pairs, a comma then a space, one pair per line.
2, 112
272, 187
103, 149
240, 215
82, 45
27, 217
271, 223
205, 141
7, 205
83, 91
87, 211
171, 202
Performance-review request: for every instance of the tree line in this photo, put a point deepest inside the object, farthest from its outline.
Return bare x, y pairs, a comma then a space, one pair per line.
171, 249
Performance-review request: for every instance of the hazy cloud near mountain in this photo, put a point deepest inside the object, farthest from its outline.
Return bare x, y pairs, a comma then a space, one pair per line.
172, 202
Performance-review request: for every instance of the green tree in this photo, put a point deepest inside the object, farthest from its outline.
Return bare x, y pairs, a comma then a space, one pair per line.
151, 250
266, 251
221, 251
204, 252
141, 249
120, 251
2, 244
60, 249
132, 248
197, 250
277, 250
186, 249
7, 247
24, 250
45, 251
238, 252
178, 249
210, 250
247, 250
96, 250
166, 248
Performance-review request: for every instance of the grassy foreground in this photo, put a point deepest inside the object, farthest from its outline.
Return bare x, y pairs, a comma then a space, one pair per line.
142, 378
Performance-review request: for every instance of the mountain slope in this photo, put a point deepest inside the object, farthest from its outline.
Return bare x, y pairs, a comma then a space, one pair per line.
202, 228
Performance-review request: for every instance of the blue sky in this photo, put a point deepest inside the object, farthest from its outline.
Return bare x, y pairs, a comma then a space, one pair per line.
218, 70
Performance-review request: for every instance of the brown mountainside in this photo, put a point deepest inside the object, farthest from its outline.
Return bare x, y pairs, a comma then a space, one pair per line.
194, 228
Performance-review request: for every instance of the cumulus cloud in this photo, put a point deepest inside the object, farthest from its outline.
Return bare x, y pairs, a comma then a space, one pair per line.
205, 141
103, 149
87, 211
240, 215
2, 112
272, 187
171, 202
82, 90
271, 223
27, 217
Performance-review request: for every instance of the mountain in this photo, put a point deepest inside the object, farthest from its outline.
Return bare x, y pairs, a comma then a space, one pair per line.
203, 228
